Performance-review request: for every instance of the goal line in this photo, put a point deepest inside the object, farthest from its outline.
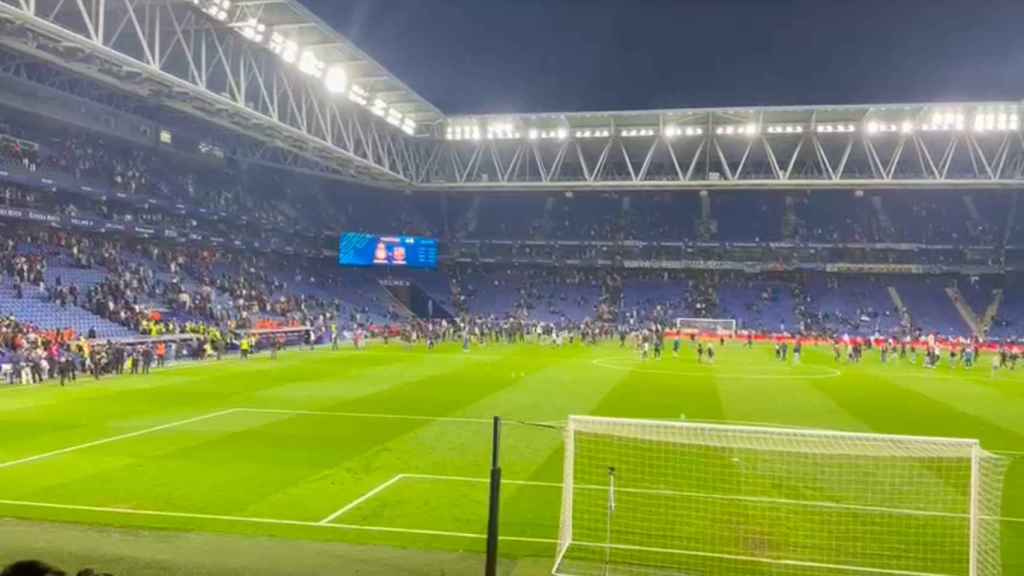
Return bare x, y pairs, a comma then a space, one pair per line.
712, 496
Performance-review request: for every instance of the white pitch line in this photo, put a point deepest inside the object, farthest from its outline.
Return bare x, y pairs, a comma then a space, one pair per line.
608, 362
369, 415
758, 559
758, 499
487, 480
362, 499
425, 353
113, 439
468, 535
273, 521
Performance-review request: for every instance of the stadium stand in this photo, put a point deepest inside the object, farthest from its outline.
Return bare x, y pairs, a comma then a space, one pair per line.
142, 249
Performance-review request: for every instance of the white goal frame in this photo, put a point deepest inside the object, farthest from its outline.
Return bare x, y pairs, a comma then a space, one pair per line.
986, 473
716, 326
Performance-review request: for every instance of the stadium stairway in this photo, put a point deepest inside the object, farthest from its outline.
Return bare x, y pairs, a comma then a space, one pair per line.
930, 307
1011, 221
437, 286
897, 301
883, 216
1009, 321
991, 310
968, 315
977, 220
396, 305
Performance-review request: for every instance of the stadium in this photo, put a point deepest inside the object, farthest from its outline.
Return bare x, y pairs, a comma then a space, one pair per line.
611, 302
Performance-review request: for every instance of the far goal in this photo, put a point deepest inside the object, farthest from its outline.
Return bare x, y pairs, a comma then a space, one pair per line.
654, 498
717, 326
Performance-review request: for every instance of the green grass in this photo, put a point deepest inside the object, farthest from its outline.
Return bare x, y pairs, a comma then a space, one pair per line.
285, 447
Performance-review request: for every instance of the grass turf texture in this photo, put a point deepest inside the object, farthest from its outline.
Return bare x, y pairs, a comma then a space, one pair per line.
278, 449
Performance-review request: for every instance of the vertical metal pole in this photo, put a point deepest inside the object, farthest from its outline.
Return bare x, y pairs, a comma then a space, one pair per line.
608, 524
973, 526
491, 567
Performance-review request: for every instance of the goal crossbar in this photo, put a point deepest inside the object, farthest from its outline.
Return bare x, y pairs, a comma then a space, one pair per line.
600, 423
715, 325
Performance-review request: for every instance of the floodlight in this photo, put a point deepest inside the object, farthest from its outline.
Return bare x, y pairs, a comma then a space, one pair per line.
290, 51
336, 80
310, 64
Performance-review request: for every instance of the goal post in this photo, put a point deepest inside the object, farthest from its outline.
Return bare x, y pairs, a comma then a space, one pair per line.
659, 498
717, 326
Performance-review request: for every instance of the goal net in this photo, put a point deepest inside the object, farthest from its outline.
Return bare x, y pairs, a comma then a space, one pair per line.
723, 326
650, 498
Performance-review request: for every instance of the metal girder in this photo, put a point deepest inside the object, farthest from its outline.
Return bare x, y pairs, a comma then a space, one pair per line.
168, 52
659, 159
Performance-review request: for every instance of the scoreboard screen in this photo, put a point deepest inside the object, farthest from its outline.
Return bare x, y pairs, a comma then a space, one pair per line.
357, 249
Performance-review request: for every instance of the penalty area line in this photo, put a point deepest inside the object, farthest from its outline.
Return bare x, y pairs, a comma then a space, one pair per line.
269, 521
361, 499
709, 496
110, 439
177, 423
368, 415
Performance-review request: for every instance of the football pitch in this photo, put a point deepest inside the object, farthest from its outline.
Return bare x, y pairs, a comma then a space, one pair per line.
388, 449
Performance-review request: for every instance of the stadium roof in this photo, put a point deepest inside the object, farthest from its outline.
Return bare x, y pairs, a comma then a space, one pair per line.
298, 23
918, 113
276, 73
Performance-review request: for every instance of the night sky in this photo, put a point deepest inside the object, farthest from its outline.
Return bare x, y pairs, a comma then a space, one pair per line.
469, 56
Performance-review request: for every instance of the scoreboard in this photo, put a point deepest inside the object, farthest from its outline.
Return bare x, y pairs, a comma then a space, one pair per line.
358, 249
